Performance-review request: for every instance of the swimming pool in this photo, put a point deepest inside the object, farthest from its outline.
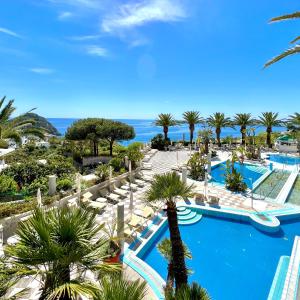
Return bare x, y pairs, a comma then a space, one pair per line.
247, 170
232, 260
284, 159
294, 196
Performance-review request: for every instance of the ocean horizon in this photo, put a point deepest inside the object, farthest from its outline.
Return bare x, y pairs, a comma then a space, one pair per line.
145, 129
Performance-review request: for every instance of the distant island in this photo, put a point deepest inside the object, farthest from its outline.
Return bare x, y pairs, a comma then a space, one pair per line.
41, 122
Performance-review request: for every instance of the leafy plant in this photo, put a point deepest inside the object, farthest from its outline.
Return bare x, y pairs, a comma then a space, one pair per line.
134, 153
7, 184
64, 184
197, 166
3, 144
192, 118
188, 292
39, 183
158, 142
116, 163
102, 172
233, 179
165, 121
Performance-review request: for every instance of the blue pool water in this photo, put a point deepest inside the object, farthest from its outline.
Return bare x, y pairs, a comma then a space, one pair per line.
283, 159
232, 260
248, 171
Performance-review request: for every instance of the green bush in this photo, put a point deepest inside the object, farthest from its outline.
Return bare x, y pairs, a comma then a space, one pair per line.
197, 166
7, 184
159, 143
3, 144
134, 153
102, 172
233, 179
64, 184
38, 183
117, 163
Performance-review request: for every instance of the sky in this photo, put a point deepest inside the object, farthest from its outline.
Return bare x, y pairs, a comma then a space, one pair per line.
136, 59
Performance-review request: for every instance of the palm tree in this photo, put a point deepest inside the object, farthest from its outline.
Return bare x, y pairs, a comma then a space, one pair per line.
189, 292
192, 118
165, 121
291, 51
206, 136
243, 120
218, 120
165, 249
269, 120
53, 244
293, 121
15, 128
168, 187
117, 287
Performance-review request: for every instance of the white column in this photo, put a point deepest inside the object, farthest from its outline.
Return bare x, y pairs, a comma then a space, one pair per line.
1, 241
52, 185
130, 171
126, 162
184, 174
209, 163
120, 225
110, 178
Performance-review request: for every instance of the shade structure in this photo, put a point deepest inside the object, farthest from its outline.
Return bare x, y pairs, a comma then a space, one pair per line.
39, 198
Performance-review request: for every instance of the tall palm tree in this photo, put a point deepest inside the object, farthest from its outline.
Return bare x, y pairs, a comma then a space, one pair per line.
243, 120
218, 121
293, 121
291, 51
269, 120
165, 121
15, 128
192, 118
53, 244
205, 135
168, 187
165, 249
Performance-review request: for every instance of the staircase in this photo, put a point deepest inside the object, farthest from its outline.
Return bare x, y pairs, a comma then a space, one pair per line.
257, 169
186, 216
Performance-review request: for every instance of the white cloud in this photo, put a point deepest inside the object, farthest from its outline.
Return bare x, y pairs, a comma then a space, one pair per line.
96, 51
43, 71
79, 3
138, 14
138, 42
9, 32
65, 15
84, 38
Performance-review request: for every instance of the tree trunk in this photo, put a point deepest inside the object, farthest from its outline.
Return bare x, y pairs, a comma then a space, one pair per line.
170, 278
269, 131
192, 128
206, 146
111, 147
179, 267
166, 129
218, 133
243, 129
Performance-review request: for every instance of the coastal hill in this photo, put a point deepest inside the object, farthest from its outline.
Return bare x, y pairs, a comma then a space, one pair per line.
41, 122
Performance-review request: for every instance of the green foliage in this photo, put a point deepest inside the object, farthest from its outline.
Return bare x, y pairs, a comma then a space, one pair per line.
165, 121
7, 184
64, 184
158, 142
134, 153
233, 179
116, 163
102, 172
38, 183
3, 144
188, 292
197, 166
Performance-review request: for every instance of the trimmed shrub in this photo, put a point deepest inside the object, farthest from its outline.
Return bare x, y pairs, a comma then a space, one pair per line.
64, 184
117, 163
7, 184
3, 144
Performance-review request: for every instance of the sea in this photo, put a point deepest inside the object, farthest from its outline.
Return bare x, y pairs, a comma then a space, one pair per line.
145, 130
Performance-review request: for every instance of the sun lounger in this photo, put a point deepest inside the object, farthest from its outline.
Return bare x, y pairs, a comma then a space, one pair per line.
145, 212
140, 182
114, 197
101, 200
146, 166
127, 187
199, 197
87, 195
136, 221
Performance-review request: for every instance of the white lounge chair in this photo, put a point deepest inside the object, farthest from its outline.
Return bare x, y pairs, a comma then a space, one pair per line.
113, 197
121, 192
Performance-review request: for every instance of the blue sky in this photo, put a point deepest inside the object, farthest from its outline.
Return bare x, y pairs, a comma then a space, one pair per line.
135, 59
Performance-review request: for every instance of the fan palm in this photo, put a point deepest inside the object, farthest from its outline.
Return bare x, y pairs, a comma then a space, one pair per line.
189, 292
165, 121
55, 244
165, 249
293, 121
117, 287
168, 187
218, 121
15, 128
291, 51
192, 118
269, 120
243, 120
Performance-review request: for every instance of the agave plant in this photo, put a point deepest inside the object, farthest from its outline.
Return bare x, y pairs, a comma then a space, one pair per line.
169, 187
53, 245
269, 120
219, 121
165, 121
291, 51
15, 128
192, 118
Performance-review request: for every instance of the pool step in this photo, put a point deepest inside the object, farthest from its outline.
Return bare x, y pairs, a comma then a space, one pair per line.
256, 169
187, 216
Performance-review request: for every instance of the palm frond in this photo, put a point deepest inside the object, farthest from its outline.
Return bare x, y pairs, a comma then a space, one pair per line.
292, 16
295, 40
289, 52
